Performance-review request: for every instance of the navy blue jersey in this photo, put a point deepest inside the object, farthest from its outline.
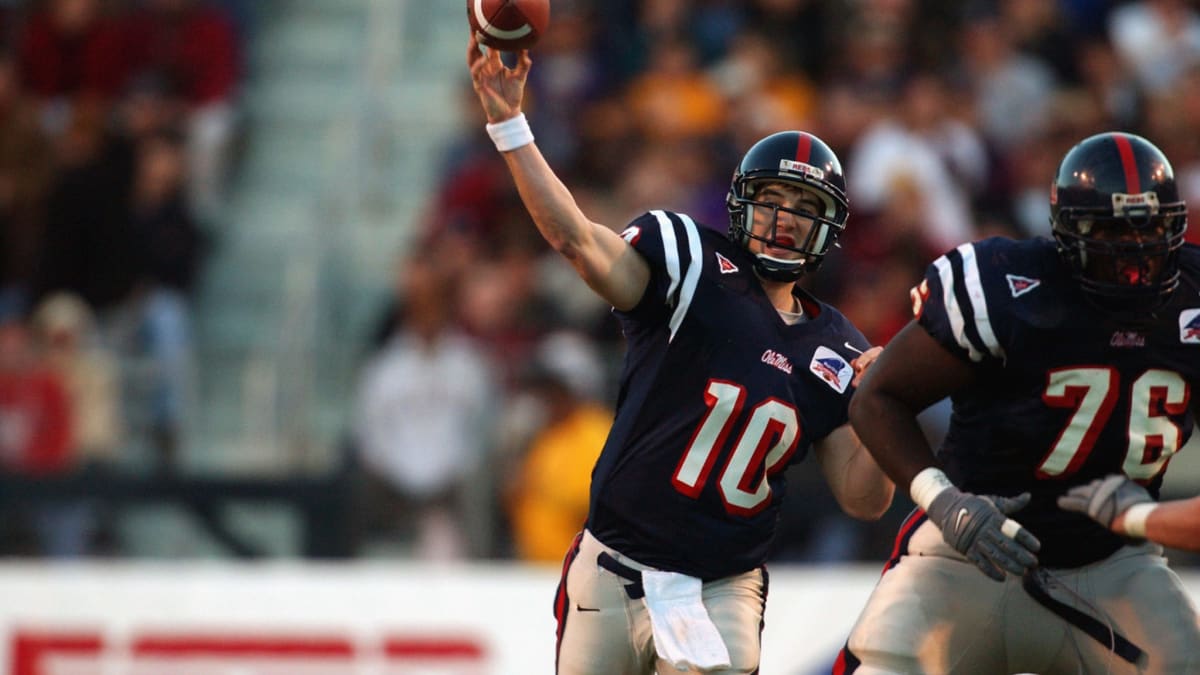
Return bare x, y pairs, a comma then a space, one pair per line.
718, 395
1064, 392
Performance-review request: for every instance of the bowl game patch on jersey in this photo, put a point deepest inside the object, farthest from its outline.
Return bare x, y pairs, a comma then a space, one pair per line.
832, 368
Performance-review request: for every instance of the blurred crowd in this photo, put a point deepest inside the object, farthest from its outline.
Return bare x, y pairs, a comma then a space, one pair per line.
118, 120
485, 395
949, 117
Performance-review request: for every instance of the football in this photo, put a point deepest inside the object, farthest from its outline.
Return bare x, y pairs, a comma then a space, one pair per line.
508, 25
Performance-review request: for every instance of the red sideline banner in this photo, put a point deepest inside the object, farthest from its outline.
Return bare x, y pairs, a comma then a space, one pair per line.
350, 619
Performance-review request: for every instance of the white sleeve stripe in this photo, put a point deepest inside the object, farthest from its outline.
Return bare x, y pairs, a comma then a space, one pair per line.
974, 288
670, 253
953, 311
692, 279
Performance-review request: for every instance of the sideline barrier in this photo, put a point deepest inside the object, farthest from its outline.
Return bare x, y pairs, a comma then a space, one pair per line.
350, 619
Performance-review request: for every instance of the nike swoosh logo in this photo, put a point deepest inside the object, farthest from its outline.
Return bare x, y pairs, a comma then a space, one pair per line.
586, 609
958, 521
852, 348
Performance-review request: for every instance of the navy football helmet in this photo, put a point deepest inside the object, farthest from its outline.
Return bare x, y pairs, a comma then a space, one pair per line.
1117, 216
801, 159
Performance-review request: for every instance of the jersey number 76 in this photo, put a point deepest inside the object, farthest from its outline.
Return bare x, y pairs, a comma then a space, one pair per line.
1093, 393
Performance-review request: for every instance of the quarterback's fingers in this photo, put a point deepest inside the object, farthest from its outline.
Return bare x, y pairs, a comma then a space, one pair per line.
473, 52
493, 59
862, 362
524, 61
865, 359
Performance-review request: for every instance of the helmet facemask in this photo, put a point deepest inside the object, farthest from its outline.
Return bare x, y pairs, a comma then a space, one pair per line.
1126, 255
811, 242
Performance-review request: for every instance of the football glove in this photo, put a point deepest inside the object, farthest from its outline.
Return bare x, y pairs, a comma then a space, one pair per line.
978, 528
1104, 498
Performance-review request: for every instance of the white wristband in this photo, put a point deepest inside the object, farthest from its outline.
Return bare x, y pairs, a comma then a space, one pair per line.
1135, 519
511, 134
927, 485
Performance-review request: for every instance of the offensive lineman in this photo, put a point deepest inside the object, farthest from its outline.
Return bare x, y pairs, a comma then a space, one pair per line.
1066, 361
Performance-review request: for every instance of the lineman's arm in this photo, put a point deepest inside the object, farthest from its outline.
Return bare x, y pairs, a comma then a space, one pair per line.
911, 374
599, 255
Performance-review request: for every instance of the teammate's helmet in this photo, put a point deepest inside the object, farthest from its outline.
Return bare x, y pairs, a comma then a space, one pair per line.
798, 158
1118, 219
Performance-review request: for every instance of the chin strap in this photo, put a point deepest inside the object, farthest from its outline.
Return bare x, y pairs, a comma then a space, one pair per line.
766, 271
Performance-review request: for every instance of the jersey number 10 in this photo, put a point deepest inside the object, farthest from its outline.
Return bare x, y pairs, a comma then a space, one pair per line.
763, 448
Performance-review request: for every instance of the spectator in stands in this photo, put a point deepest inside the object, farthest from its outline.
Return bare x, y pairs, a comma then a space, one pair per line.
673, 99
119, 233
65, 337
71, 50
547, 498
1157, 39
921, 147
806, 27
501, 305
1011, 89
25, 172
36, 437
422, 417
573, 72
1108, 82
1037, 29
762, 92
192, 46
153, 323
35, 429
86, 247
65, 334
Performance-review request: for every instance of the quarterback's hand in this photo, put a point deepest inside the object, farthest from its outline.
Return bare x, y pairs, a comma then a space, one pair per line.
499, 87
979, 528
1105, 499
863, 362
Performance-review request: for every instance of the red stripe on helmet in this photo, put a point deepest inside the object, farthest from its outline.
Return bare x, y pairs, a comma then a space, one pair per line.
803, 148
1133, 185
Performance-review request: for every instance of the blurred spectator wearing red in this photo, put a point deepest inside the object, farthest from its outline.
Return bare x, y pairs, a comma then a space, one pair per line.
192, 46
35, 414
71, 49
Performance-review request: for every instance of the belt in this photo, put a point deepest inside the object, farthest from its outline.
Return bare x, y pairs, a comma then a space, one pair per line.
633, 589
1097, 630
